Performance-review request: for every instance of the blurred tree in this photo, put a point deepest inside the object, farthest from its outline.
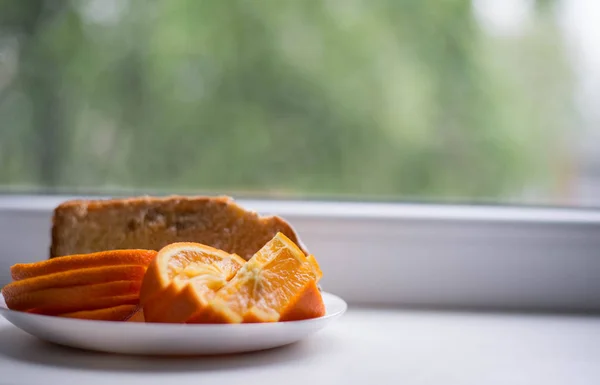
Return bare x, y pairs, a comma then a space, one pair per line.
385, 98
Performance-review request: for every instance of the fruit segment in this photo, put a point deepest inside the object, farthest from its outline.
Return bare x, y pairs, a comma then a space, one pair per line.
182, 278
115, 313
74, 298
181, 261
73, 306
137, 316
180, 302
309, 304
316, 268
77, 277
21, 271
268, 286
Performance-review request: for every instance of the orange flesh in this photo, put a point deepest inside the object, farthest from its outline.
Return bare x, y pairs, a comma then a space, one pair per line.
182, 261
182, 279
309, 304
315, 266
274, 279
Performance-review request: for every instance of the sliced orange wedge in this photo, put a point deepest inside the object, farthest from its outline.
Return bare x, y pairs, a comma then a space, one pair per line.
278, 281
315, 267
115, 313
308, 304
21, 271
182, 278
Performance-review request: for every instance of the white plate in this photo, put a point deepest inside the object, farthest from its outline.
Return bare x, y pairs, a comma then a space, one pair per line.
170, 339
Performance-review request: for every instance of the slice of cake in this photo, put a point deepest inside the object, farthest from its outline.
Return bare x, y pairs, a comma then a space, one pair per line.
87, 226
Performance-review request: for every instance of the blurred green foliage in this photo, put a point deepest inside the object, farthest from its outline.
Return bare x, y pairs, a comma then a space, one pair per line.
394, 99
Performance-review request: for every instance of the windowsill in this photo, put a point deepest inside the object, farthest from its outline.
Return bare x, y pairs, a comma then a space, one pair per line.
364, 346
358, 210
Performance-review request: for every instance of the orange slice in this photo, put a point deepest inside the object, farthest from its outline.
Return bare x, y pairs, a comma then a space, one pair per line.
77, 277
115, 313
309, 304
271, 284
315, 267
182, 278
75, 298
21, 271
137, 316
99, 303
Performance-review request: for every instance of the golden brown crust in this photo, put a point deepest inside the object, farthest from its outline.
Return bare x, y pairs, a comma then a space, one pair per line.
85, 226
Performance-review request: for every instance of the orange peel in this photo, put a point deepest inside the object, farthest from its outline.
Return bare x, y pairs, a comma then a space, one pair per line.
140, 257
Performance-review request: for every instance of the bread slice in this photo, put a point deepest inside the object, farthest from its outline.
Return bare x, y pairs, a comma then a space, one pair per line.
86, 226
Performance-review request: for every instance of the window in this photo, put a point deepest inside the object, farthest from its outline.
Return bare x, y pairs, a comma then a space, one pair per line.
458, 101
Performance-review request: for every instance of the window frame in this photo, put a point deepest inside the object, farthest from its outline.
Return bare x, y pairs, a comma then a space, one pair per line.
403, 254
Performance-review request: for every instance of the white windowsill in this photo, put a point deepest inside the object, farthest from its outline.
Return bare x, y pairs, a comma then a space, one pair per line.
363, 347
321, 209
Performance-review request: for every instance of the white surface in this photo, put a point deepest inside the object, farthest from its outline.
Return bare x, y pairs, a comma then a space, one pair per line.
363, 347
434, 255
171, 339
